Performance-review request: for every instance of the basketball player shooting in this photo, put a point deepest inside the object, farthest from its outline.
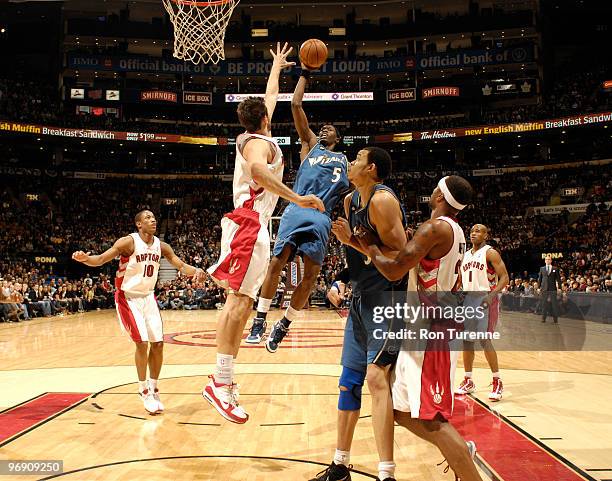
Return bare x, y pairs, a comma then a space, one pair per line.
245, 240
303, 232
483, 271
137, 308
432, 257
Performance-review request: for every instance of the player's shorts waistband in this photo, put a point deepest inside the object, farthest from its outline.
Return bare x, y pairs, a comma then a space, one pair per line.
293, 206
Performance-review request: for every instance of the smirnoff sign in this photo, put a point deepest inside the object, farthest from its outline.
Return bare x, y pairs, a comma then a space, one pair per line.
440, 92
158, 95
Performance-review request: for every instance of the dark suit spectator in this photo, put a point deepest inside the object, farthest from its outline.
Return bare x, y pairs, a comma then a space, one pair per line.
31, 299
549, 280
73, 296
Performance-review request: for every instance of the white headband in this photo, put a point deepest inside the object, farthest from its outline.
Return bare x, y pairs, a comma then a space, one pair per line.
448, 196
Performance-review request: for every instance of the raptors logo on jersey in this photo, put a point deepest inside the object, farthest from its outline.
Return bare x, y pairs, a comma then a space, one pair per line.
476, 273
137, 274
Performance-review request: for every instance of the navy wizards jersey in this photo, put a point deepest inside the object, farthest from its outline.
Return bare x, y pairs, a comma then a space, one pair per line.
364, 275
324, 174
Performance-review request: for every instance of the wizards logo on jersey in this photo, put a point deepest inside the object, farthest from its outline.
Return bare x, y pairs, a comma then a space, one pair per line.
324, 174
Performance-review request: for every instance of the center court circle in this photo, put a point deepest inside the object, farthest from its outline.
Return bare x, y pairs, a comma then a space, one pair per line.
299, 337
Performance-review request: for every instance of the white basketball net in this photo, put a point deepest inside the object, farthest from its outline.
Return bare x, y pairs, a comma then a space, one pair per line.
199, 28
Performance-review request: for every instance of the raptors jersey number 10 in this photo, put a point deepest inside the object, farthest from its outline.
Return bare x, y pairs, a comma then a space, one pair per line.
137, 274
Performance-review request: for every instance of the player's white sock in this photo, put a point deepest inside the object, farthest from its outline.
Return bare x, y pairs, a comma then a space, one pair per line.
342, 457
142, 386
292, 314
468, 374
496, 374
386, 469
225, 366
263, 305
153, 384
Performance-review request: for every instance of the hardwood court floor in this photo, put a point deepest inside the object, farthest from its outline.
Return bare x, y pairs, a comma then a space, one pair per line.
560, 399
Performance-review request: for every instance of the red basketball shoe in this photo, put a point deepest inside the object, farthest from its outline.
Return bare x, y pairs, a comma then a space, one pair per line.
467, 386
224, 398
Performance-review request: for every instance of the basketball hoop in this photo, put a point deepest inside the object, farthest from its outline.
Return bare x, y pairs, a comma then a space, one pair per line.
199, 28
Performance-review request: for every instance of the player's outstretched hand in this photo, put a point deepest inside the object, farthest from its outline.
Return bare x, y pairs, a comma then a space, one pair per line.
280, 56
200, 275
81, 256
311, 201
365, 237
342, 230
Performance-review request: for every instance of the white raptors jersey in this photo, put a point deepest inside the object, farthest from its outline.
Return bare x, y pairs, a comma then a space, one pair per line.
476, 274
440, 274
247, 193
137, 274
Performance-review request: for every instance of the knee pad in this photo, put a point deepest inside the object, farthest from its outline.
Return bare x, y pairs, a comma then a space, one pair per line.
350, 384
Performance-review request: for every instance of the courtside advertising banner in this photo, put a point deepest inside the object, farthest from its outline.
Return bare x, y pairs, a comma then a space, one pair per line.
309, 97
484, 130
401, 95
197, 98
440, 92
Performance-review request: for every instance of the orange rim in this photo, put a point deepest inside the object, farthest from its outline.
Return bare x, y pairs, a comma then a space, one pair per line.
202, 4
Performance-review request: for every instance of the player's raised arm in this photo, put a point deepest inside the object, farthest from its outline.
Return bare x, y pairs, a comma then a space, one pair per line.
307, 136
278, 64
256, 154
123, 246
181, 265
427, 236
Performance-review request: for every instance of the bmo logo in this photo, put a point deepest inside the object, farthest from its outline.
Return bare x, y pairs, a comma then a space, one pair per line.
85, 61
200, 98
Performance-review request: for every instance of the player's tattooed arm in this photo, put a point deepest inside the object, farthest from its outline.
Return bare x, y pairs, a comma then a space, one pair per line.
427, 237
182, 266
307, 136
503, 279
122, 247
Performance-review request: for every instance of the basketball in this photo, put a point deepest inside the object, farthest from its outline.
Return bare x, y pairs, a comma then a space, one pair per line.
313, 53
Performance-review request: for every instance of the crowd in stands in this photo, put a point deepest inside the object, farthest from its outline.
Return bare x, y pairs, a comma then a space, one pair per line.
27, 292
183, 294
504, 203
73, 214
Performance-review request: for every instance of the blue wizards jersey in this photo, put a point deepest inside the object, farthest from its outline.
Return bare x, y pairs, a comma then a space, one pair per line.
363, 274
324, 174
